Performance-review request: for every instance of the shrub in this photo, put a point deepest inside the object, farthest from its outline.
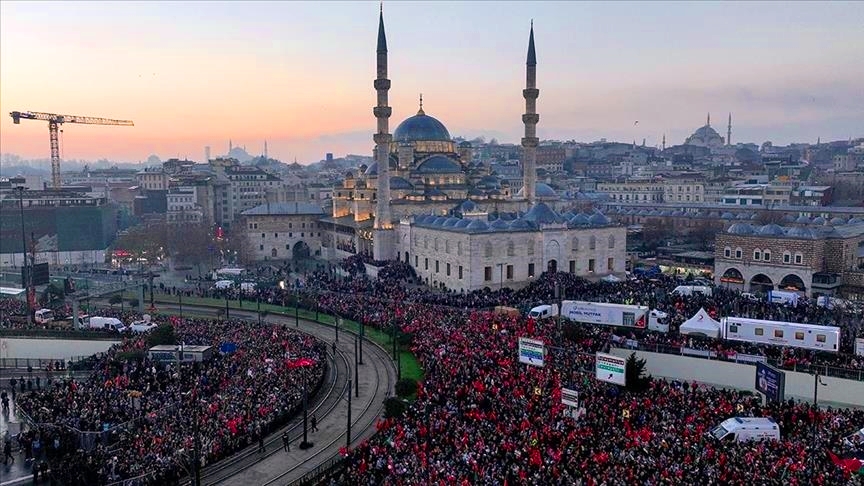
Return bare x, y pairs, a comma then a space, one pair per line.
406, 387
394, 407
163, 334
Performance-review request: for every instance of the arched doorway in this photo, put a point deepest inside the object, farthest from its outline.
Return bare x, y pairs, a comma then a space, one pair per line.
300, 250
274, 253
732, 279
761, 283
792, 282
552, 266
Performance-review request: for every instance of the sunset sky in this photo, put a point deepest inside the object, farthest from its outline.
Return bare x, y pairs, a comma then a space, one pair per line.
300, 74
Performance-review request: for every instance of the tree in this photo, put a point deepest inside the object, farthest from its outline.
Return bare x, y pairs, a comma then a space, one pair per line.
115, 299
394, 407
163, 334
654, 232
406, 387
143, 241
637, 382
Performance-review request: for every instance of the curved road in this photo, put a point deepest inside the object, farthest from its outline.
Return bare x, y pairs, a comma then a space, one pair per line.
377, 377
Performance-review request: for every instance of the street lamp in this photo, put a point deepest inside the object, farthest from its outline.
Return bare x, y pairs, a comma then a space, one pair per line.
305, 444
26, 278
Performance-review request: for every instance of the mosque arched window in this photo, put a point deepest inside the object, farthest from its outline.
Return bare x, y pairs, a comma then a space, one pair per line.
488, 251
575, 244
511, 248
611, 241
592, 243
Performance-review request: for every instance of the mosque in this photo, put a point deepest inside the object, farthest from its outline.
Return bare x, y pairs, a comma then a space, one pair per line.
706, 136
425, 202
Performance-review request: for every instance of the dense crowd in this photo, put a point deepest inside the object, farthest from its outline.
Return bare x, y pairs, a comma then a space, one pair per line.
483, 418
137, 418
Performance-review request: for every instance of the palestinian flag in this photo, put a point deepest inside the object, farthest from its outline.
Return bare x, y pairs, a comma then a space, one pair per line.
851, 465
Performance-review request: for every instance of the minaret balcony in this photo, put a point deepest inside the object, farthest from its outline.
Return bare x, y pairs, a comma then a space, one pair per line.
382, 111
530, 118
531, 93
382, 84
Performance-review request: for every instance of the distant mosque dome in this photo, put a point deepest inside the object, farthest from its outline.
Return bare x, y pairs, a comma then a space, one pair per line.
705, 136
421, 128
439, 164
541, 190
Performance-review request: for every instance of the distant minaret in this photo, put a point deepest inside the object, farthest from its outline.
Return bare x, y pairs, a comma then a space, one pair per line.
530, 119
729, 131
664, 141
643, 142
230, 146
207, 154
708, 123
818, 141
382, 138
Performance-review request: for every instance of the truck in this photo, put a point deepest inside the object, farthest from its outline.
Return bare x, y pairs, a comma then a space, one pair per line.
106, 323
44, 316
743, 429
621, 315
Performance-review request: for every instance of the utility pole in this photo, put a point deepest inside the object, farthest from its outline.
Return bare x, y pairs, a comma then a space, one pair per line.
195, 458
362, 333
297, 308
26, 277
259, 310
356, 370
348, 437
226, 306
305, 444
180, 303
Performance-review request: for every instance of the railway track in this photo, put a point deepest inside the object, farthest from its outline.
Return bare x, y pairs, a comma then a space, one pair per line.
272, 467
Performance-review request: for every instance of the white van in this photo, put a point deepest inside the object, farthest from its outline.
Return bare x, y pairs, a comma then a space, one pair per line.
107, 323
743, 429
693, 290
223, 284
44, 316
543, 311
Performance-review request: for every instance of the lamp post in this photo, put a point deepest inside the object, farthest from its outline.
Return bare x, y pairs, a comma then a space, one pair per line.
348, 435
180, 303
259, 310
305, 444
26, 278
226, 306
297, 308
356, 369
362, 334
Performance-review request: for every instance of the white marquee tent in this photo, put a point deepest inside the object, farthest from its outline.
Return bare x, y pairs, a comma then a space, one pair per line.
701, 324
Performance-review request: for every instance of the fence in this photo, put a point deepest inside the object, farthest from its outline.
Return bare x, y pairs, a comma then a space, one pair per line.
320, 473
824, 370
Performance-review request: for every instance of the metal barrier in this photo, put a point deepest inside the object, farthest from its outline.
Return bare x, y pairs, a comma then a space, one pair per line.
824, 370
325, 468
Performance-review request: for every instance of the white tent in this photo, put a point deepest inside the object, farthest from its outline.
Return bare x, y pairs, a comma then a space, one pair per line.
610, 278
701, 324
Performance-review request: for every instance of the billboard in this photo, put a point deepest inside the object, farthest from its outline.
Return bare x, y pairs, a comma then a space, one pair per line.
771, 382
859, 346
569, 397
39, 271
611, 369
531, 351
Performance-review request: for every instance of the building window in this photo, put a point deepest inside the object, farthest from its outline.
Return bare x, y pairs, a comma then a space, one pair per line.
591, 265
575, 244
448, 269
572, 266
460, 272
610, 264
766, 256
488, 249
437, 268
738, 253
435, 245
799, 259
592, 243
757, 255
530, 247
416, 261
727, 252
611, 241
511, 249
426, 263
287, 247
276, 235
487, 274
447, 246
530, 270
459, 249
787, 257
759, 331
261, 247
509, 272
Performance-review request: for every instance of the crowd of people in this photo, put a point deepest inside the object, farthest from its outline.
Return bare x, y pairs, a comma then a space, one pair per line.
482, 417
138, 418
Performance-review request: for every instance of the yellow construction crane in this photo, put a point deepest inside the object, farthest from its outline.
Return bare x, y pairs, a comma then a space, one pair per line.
54, 122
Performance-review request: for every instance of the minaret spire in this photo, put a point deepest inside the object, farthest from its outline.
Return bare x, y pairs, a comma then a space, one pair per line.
265, 149
420, 111
708, 123
530, 119
729, 130
664, 141
382, 244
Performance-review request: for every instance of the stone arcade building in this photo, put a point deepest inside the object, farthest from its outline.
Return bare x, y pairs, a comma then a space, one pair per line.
814, 261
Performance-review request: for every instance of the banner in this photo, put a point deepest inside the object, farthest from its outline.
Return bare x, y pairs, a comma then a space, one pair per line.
611, 369
859, 346
570, 397
531, 351
771, 382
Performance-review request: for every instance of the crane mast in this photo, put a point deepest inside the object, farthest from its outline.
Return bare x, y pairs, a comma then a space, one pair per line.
54, 122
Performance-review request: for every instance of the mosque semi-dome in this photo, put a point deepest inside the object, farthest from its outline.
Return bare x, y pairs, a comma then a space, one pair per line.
439, 164
421, 128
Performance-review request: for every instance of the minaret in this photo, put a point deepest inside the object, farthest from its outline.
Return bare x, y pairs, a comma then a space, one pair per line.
230, 146
664, 141
382, 238
530, 119
708, 123
729, 131
265, 149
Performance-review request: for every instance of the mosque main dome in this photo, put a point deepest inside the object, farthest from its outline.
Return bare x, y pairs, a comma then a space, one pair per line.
421, 128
